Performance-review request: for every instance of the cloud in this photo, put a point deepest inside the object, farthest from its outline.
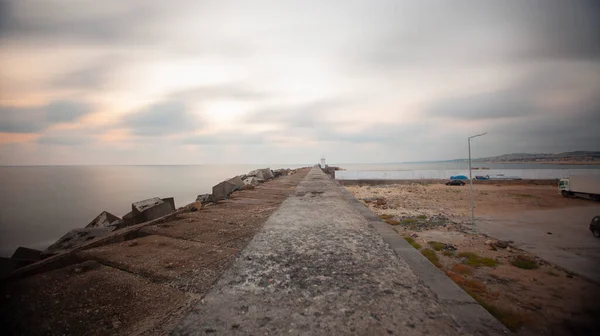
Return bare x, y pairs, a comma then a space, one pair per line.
164, 118
94, 76
490, 105
308, 114
227, 138
448, 34
84, 22
521, 99
65, 139
238, 91
14, 119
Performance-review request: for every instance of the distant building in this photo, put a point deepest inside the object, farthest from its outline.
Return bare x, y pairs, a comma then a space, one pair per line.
323, 164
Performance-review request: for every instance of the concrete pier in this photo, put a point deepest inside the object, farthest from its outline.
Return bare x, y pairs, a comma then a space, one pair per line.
324, 265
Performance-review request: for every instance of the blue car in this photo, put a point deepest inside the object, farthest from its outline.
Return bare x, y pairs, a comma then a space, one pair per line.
459, 177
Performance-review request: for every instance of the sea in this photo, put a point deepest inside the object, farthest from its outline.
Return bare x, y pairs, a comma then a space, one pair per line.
39, 204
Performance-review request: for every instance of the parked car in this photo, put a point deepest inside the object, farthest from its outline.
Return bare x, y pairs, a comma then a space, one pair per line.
595, 226
456, 182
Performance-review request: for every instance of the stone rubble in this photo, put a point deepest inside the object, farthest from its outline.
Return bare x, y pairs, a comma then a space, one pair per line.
141, 211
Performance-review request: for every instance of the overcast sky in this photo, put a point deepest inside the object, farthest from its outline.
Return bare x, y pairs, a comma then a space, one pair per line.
194, 82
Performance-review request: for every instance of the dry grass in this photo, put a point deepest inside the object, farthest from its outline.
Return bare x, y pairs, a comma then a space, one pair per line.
448, 253
461, 269
436, 245
475, 260
431, 256
478, 291
392, 222
412, 242
524, 262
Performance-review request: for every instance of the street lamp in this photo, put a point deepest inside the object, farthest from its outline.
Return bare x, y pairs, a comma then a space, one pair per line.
471, 181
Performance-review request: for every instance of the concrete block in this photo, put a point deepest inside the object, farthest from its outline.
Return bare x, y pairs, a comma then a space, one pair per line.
222, 190
26, 253
104, 219
262, 174
171, 201
267, 173
150, 209
75, 238
251, 181
280, 172
237, 181
204, 198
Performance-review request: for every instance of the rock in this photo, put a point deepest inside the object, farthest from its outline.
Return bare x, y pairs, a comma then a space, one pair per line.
75, 238
280, 172
222, 190
237, 181
204, 198
194, 206
128, 219
491, 247
116, 324
489, 242
450, 247
104, 219
502, 243
25, 253
262, 174
132, 243
251, 181
171, 201
248, 187
150, 209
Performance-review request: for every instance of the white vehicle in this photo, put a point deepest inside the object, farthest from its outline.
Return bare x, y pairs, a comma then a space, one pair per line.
580, 186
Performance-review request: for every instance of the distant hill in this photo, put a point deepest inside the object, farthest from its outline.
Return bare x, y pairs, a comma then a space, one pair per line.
576, 156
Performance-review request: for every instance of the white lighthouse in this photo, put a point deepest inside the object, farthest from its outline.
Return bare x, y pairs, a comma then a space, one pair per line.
323, 162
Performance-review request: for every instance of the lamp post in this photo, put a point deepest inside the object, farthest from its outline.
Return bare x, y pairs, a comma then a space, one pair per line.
471, 181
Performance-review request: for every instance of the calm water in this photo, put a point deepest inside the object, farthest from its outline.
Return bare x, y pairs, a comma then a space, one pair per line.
40, 204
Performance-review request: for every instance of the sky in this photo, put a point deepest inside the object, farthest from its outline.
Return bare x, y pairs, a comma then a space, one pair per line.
223, 82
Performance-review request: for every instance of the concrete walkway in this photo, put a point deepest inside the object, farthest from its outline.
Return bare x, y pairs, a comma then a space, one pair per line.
321, 265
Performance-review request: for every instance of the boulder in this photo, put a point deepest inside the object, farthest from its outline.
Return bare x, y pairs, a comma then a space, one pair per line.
193, 206
222, 190
262, 174
104, 219
267, 173
237, 181
280, 172
204, 198
502, 243
25, 253
75, 238
150, 209
251, 181
171, 201
128, 219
